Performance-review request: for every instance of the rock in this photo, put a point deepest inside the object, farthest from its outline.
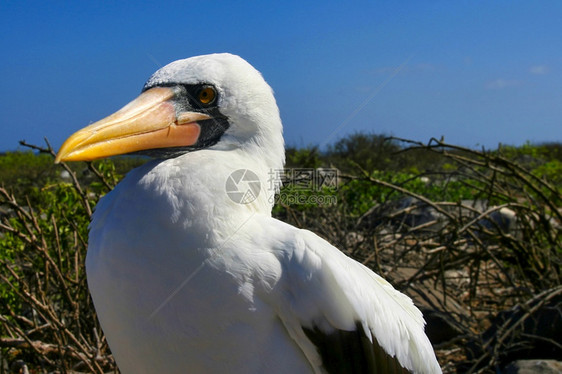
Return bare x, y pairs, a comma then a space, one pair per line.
504, 219
538, 336
407, 211
414, 213
440, 326
353, 239
19, 367
65, 175
533, 367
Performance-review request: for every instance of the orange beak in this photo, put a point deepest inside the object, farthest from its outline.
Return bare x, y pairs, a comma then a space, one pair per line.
148, 122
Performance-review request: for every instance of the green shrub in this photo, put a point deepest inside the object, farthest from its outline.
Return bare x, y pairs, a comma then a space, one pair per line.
47, 319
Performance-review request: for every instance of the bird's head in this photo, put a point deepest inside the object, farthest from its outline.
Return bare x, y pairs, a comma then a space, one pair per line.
213, 101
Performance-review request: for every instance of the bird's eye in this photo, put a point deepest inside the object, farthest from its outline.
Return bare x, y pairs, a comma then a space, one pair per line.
207, 95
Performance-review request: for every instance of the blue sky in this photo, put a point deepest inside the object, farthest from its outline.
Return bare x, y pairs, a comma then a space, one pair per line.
478, 73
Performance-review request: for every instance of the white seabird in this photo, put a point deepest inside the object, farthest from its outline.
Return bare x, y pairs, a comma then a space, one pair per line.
187, 280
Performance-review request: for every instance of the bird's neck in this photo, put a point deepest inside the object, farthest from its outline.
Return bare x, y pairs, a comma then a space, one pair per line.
211, 183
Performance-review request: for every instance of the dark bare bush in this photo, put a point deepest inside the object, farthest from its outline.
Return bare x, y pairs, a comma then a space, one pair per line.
487, 268
468, 260
47, 320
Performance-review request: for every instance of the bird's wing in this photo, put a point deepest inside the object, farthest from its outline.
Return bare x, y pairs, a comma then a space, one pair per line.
346, 318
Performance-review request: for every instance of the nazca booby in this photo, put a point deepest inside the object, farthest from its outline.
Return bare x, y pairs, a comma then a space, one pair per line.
187, 280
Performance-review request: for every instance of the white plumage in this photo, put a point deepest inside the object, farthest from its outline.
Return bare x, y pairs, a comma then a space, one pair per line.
186, 280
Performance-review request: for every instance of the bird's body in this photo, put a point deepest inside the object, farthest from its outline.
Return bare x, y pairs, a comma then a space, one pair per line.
195, 300
186, 279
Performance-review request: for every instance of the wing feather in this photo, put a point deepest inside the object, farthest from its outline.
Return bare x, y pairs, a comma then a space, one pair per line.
348, 319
